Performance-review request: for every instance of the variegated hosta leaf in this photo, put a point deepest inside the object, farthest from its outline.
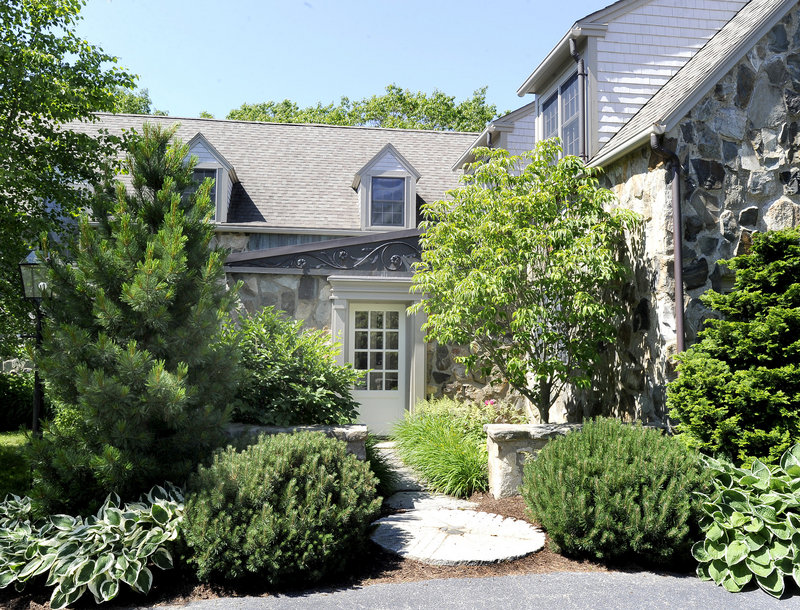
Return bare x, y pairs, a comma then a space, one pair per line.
772, 584
735, 552
790, 461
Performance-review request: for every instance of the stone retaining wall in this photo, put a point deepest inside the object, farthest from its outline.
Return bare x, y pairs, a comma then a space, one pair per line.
354, 436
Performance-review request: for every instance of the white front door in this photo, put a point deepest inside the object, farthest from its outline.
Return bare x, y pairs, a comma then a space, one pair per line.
377, 346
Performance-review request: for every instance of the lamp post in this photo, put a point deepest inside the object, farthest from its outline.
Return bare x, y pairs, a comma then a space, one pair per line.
34, 285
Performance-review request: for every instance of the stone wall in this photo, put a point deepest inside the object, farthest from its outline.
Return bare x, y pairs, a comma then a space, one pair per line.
739, 151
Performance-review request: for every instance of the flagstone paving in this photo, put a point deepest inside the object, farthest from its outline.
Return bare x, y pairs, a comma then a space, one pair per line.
441, 530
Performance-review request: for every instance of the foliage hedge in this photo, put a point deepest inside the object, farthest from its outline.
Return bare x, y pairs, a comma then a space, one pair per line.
738, 390
290, 375
16, 398
291, 508
613, 491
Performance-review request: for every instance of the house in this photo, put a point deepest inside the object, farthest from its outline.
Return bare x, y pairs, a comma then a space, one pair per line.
691, 107
322, 223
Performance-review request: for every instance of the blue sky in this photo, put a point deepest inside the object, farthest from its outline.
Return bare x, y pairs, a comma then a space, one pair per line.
211, 55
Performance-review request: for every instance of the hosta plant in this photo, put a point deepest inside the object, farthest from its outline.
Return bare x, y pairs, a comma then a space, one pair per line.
118, 545
752, 525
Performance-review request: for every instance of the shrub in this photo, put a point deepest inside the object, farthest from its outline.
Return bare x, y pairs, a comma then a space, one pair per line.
738, 390
16, 396
132, 354
444, 441
613, 491
118, 545
289, 508
290, 375
751, 522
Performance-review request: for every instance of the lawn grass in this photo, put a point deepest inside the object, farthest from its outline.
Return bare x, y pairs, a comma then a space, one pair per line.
15, 474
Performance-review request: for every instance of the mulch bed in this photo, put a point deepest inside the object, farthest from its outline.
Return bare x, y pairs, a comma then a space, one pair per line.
376, 566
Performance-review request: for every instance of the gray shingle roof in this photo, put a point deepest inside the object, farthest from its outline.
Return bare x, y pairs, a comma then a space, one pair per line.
300, 176
679, 95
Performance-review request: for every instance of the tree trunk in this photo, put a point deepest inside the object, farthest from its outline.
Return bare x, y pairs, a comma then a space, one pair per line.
544, 400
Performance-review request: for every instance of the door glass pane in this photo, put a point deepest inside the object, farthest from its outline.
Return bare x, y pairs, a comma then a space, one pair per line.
361, 339
376, 340
376, 350
391, 361
376, 360
362, 319
376, 381
391, 340
376, 319
392, 319
391, 381
361, 361
361, 384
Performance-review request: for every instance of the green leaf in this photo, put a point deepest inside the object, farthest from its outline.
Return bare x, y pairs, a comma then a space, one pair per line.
762, 473
739, 520
730, 584
715, 532
772, 584
755, 540
104, 564
702, 571
109, 590
63, 522
782, 530
31, 569
735, 552
715, 549
84, 572
779, 549
61, 599
741, 574
790, 461
6, 578
767, 513
160, 514
162, 559
144, 581
718, 571
699, 551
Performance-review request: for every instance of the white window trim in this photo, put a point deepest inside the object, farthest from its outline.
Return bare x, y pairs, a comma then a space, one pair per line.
409, 193
554, 90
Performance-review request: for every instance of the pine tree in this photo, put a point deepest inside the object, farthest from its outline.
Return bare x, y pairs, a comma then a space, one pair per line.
132, 355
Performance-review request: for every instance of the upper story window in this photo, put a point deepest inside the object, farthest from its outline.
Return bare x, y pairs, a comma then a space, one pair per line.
201, 174
560, 116
386, 187
211, 164
388, 202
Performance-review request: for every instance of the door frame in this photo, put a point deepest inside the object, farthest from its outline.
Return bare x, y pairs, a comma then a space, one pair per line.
347, 289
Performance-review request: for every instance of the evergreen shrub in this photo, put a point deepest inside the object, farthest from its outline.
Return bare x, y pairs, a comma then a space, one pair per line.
289, 374
290, 508
613, 491
381, 467
132, 355
737, 394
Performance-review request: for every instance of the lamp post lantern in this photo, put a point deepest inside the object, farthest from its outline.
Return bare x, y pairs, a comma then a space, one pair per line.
34, 285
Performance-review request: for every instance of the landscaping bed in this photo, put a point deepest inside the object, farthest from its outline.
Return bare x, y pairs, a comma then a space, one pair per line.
376, 566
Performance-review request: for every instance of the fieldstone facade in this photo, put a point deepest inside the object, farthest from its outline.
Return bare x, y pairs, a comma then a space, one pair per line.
739, 150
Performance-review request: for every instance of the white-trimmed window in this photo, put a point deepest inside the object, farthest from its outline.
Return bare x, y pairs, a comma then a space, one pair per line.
386, 186
387, 201
560, 116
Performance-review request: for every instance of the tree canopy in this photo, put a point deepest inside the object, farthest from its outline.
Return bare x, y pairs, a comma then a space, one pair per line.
398, 108
518, 266
48, 77
129, 101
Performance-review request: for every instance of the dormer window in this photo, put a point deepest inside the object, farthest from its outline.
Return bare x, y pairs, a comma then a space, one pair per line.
386, 186
211, 164
388, 201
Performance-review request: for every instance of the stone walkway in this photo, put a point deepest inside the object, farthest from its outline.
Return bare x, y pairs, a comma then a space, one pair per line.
441, 530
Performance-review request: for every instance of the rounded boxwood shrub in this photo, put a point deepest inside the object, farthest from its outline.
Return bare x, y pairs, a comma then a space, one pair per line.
289, 508
614, 491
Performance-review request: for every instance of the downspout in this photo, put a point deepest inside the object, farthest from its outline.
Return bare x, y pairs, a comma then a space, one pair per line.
573, 50
675, 164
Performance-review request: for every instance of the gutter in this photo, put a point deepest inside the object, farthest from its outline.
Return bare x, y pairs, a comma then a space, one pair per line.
677, 237
573, 51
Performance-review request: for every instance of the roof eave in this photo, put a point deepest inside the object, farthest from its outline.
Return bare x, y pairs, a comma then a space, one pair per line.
558, 55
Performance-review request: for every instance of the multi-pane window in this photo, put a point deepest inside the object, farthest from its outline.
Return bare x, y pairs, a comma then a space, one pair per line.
376, 348
560, 116
388, 201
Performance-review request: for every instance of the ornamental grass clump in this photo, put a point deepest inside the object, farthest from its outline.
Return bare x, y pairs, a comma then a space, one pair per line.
291, 508
444, 441
751, 522
614, 491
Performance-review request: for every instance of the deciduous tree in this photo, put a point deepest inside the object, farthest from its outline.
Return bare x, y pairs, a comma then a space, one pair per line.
518, 266
399, 108
48, 77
